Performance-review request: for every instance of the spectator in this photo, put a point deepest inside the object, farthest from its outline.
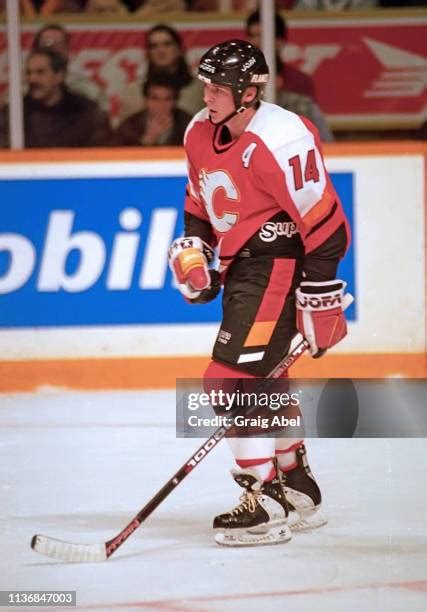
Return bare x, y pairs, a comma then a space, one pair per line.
288, 77
165, 54
53, 115
295, 89
106, 7
32, 8
54, 36
161, 122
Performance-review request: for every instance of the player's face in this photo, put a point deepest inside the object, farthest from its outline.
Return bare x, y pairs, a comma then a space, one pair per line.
219, 101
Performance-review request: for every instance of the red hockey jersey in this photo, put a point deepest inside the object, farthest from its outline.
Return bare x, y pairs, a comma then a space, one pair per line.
276, 165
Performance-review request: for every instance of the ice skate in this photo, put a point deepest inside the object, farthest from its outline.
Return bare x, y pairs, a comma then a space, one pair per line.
303, 495
261, 516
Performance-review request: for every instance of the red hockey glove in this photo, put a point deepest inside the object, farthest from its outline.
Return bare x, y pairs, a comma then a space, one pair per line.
189, 261
320, 316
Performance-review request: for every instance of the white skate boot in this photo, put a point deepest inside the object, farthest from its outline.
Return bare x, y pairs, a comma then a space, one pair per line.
260, 518
303, 495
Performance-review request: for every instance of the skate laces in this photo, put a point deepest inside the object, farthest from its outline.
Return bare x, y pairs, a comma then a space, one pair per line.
249, 500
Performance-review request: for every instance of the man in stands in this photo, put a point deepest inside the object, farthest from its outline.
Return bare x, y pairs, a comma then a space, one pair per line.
55, 37
54, 116
288, 77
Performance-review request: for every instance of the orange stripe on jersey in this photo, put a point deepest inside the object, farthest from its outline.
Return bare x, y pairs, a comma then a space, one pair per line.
272, 302
260, 333
319, 210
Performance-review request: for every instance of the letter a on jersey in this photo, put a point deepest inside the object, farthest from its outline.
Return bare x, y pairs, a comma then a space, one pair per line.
209, 183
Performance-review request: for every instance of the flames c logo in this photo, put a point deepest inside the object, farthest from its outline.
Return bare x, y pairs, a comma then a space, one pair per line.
209, 183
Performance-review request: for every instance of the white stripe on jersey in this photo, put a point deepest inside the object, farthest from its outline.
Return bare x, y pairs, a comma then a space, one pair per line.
246, 358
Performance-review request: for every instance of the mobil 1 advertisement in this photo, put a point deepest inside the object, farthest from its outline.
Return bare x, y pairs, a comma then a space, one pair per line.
92, 250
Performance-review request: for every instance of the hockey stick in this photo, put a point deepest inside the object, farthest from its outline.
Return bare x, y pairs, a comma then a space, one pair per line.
80, 553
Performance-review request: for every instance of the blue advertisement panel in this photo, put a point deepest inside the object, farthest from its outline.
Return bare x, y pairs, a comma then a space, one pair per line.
93, 251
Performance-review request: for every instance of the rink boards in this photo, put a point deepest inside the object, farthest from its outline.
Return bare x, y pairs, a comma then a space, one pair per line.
87, 299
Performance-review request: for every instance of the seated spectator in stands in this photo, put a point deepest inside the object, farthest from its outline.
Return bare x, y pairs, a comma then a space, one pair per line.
32, 8
165, 54
106, 7
54, 36
161, 122
53, 115
294, 88
288, 77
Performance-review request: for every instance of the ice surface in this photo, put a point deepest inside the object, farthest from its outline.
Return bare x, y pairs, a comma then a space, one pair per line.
78, 466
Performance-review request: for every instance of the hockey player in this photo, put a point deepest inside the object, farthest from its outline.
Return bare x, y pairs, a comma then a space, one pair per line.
259, 193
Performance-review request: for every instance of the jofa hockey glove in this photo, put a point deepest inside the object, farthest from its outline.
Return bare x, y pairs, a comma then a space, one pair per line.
320, 313
189, 260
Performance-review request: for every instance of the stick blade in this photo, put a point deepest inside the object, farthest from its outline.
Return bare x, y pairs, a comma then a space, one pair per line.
70, 553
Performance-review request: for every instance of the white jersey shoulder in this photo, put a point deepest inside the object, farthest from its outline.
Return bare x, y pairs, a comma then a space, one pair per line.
294, 148
276, 126
199, 117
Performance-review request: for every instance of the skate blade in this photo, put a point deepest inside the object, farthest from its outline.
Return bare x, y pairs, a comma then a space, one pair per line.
241, 537
307, 521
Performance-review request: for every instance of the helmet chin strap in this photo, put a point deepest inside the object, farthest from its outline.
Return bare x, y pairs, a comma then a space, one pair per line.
236, 111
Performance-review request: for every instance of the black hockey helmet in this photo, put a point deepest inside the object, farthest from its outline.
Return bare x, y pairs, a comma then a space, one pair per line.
237, 64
